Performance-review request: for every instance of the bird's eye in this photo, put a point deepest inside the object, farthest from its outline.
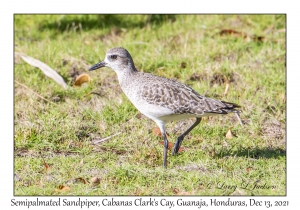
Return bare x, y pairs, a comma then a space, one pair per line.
113, 57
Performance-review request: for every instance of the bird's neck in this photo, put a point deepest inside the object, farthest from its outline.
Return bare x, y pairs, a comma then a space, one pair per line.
125, 76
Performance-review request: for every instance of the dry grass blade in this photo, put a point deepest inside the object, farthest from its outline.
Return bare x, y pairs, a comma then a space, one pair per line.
241, 34
82, 180
48, 168
49, 72
34, 92
62, 188
107, 138
81, 162
233, 33
226, 89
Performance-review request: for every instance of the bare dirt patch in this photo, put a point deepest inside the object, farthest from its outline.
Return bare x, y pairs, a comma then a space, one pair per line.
274, 130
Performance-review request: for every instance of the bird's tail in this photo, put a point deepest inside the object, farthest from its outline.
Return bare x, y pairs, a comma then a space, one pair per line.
230, 105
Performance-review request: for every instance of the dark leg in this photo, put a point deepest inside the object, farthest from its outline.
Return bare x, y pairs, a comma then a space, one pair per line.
181, 137
165, 150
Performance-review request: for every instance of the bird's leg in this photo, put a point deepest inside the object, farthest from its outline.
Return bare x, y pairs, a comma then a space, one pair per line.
181, 137
161, 126
165, 149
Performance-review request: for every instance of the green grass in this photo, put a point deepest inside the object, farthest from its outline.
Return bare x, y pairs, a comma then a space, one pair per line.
187, 48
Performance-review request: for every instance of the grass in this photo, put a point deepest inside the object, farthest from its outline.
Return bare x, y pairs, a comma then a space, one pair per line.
188, 48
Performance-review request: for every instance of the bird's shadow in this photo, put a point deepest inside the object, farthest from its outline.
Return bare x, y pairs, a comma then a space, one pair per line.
252, 153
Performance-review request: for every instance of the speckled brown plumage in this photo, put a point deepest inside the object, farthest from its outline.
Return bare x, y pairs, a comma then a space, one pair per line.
180, 98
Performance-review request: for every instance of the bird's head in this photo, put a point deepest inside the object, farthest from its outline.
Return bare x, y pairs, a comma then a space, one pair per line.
118, 59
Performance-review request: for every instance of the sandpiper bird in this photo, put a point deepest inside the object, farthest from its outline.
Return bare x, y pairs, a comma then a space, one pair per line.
161, 99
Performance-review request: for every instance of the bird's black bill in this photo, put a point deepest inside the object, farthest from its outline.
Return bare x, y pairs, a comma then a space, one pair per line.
97, 66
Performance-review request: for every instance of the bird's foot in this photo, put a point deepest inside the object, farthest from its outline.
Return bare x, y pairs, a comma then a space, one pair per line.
177, 145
